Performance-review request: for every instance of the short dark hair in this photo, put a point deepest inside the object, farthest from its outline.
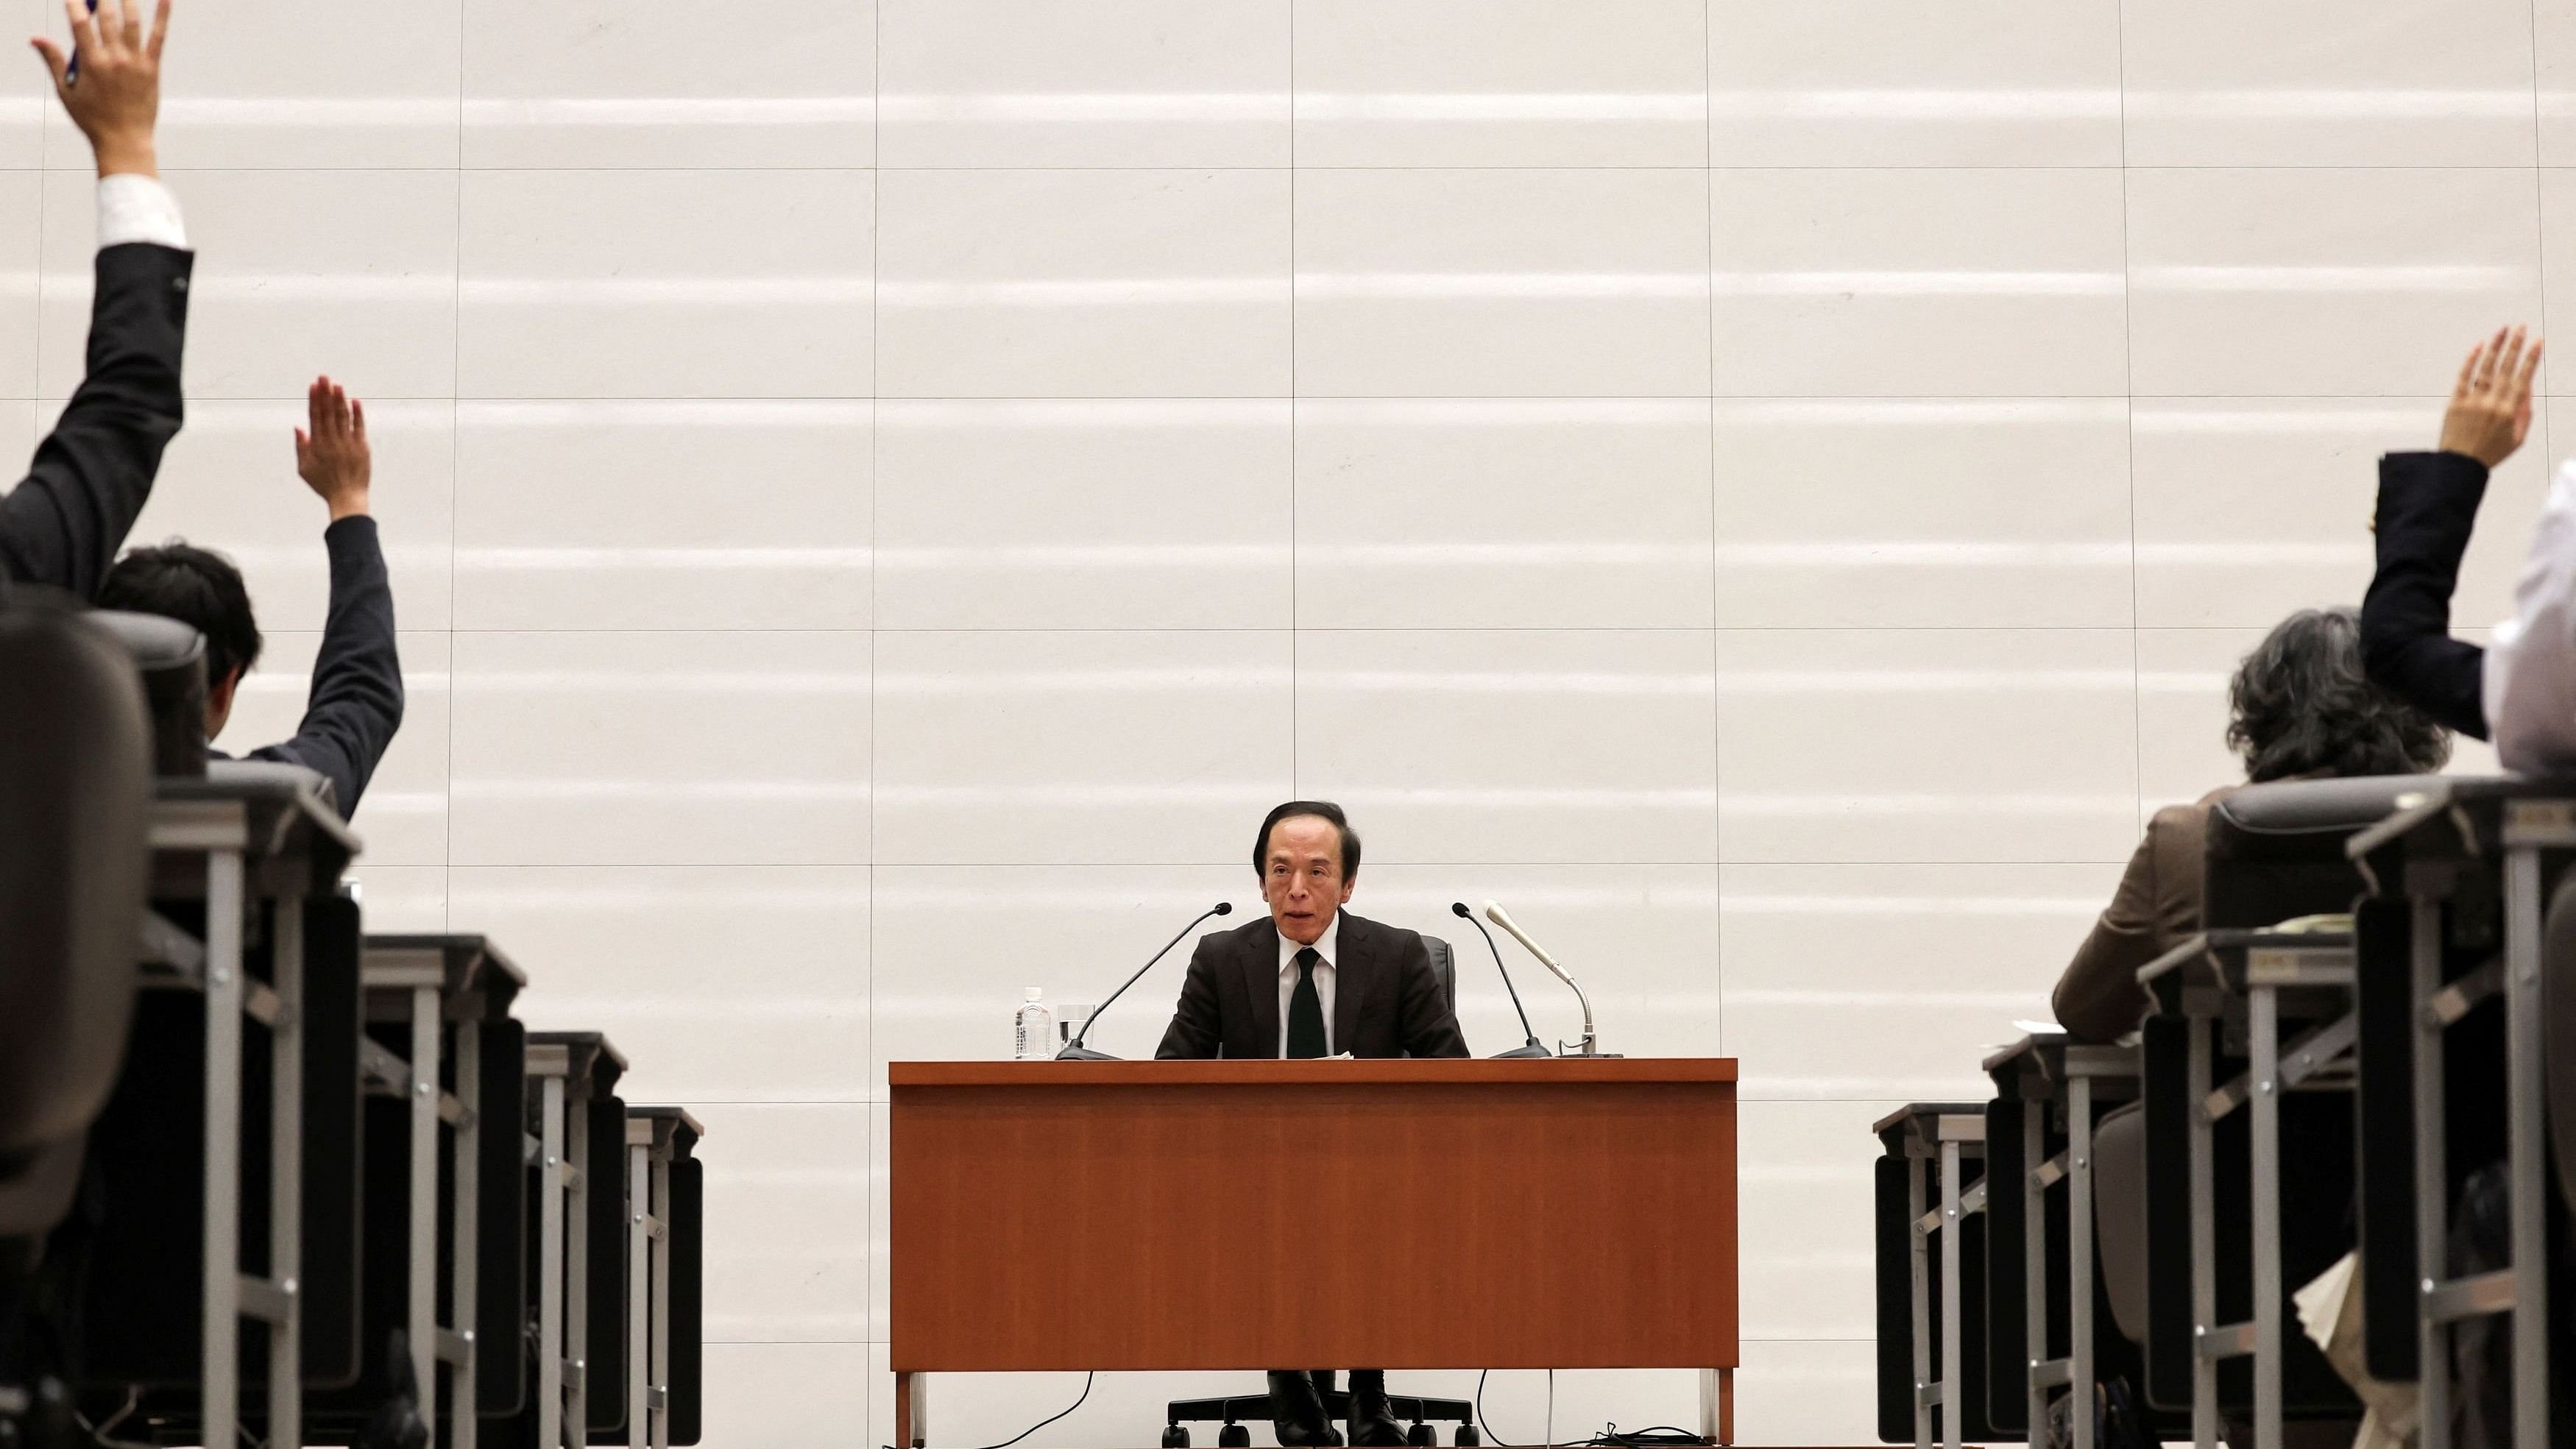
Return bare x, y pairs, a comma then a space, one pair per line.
2300, 705
198, 587
1320, 809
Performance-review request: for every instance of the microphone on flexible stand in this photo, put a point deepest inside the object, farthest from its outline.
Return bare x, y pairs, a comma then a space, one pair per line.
1533, 1048
1074, 1050
1591, 1045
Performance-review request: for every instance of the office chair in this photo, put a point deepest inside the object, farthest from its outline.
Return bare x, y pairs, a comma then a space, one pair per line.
1420, 1412
75, 802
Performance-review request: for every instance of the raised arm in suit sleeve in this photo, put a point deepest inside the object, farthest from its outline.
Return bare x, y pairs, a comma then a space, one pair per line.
1197, 1029
64, 524
2531, 671
356, 702
1430, 1026
2428, 505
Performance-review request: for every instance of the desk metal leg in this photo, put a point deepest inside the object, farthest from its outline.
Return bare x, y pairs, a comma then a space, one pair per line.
911, 1410
2034, 1269
421, 1322
2079, 1257
464, 1393
2432, 1176
661, 1361
220, 1350
286, 1177
2265, 1028
639, 1292
2527, 1155
552, 1349
1915, 1193
1717, 1405
2204, 1242
1954, 1378
576, 1318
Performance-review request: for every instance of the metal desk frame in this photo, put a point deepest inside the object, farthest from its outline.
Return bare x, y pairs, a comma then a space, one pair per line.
2257, 965
1947, 1133
2044, 1062
438, 985
568, 1067
263, 839
655, 1137
2488, 825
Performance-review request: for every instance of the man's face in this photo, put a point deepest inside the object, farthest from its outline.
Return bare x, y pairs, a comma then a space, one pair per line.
1301, 876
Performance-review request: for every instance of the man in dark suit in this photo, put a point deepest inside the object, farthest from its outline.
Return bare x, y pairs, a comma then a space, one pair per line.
63, 525
1314, 981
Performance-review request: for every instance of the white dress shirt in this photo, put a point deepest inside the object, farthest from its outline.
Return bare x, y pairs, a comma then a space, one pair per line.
1325, 946
135, 208
2529, 674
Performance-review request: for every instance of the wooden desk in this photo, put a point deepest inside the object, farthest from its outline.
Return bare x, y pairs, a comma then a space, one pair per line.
1563, 1213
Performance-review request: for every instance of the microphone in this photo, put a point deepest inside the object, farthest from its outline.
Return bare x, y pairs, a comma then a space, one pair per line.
1496, 914
1532, 1049
1074, 1050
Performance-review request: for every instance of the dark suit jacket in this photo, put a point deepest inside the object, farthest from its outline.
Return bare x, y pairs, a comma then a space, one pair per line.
1386, 1001
356, 702
64, 524
2428, 503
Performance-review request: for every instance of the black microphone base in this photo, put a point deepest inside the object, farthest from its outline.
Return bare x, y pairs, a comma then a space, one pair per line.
1520, 1053
1079, 1053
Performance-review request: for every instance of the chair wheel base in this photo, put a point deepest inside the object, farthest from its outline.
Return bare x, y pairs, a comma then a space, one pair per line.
1420, 1436
1468, 1438
1175, 1437
1234, 1436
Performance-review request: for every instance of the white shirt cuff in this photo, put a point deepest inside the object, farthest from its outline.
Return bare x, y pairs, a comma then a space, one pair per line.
135, 208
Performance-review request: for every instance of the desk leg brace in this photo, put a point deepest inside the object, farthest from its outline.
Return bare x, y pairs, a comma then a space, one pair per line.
639, 1294
421, 1321
1954, 1380
465, 1199
2079, 1259
2034, 1267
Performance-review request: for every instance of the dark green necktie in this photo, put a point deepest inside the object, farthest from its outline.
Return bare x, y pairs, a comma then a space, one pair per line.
1306, 1009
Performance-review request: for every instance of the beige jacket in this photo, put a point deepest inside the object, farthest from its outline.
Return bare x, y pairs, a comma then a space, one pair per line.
2156, 909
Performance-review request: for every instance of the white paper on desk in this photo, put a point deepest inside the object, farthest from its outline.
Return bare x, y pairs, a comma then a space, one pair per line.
2038, 1028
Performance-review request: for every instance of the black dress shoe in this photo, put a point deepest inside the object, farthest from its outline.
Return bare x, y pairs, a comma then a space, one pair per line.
1297, 1410
1372, 1419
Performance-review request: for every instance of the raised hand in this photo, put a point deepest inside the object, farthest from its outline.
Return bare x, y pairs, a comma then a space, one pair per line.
332, 455
115, 98
2490, 412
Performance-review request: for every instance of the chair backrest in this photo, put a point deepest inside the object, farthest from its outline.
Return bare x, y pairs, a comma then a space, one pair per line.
2558, 1018
75, 801
172, 659
1444, 965
2276, 851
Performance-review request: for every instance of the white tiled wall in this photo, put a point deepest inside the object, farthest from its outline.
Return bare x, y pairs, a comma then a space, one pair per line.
882, 496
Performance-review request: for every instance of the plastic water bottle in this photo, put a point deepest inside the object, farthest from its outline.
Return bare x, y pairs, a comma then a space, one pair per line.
1036, 1028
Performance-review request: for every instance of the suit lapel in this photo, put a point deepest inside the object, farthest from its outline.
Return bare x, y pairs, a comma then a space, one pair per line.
1351, 978
1261, 980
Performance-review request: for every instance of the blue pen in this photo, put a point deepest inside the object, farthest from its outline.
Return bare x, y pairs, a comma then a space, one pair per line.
71, 67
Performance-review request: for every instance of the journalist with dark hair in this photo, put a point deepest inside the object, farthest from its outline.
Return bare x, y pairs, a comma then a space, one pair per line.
356, 700
2299, 708
1311, 980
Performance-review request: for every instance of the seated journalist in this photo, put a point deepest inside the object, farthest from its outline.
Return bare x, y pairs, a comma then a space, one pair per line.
62, 525
2299, 709
2521, 689
356, 700
1312, 980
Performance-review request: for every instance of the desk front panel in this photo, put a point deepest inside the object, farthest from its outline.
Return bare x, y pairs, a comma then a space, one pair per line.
1396, 1215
